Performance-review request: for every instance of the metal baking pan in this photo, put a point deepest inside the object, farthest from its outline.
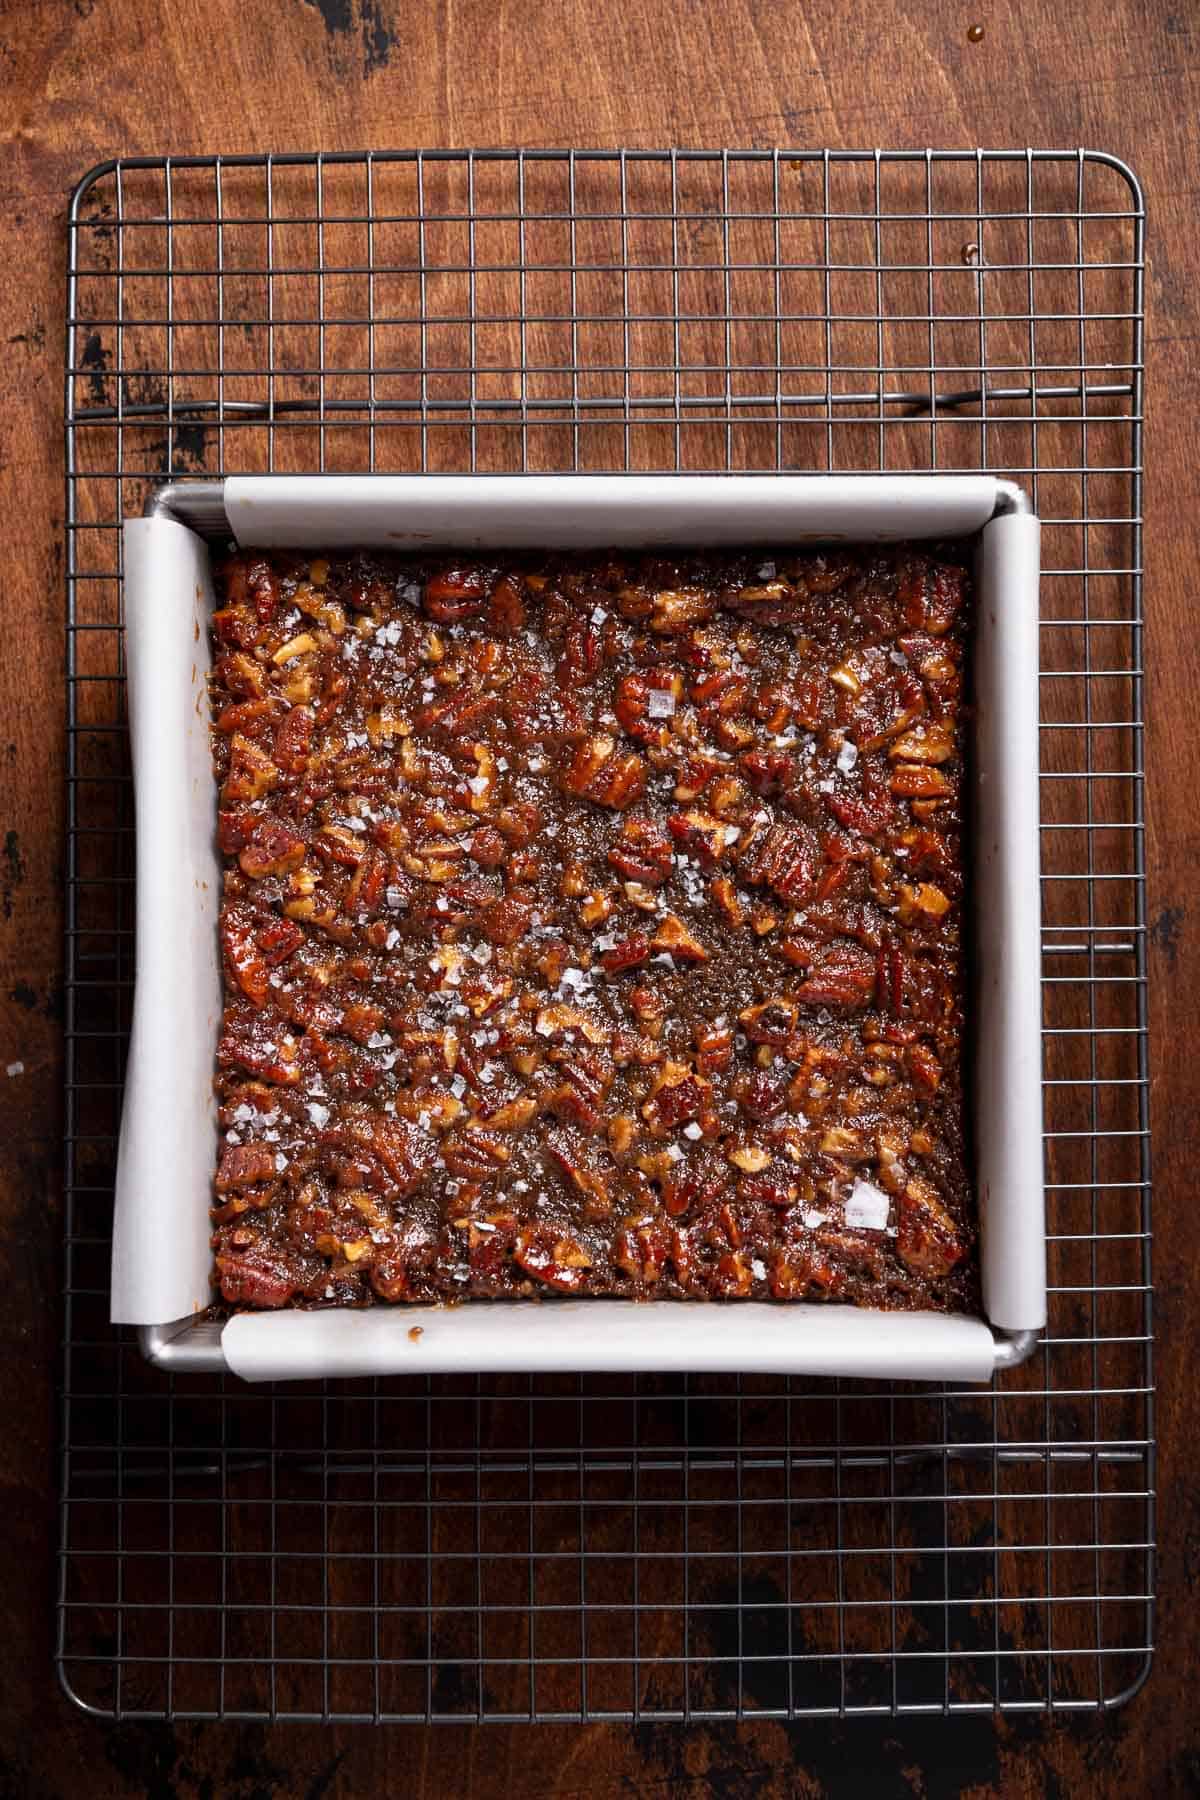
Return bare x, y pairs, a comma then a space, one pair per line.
161, 1256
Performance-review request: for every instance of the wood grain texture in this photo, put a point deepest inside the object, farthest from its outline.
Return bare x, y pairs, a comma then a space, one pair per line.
93, 79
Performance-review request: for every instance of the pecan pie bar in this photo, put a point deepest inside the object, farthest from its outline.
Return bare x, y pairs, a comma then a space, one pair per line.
592, 925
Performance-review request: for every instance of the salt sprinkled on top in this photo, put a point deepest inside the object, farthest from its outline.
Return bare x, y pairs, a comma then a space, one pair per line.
867, 1206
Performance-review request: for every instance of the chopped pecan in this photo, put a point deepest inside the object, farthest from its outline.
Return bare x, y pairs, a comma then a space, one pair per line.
674, 938
582, 655
925, 1067
840, 1141
765, 1190
918, 781
236, 625
679, 1094
402, 1150
751, 1158
241, 675
242, 952
264, 589
244, 1165
595, 907
796, 951
506, 609
696, 773
519, 823
303, 644
557, 1261
251, 771
930, 596
642, 851
364, 890
642, 1249
456, 593
589, 1075
399, 1265
825, 571
703, 834
870, 811
465, 710
761, 1095
767, 771
785, 859
675, 610
806, 1272
491, 1238
926, 850
600, 773
505, 922
767, 603
649, 1007
694, 1184
511, 1115
932, 743
733, 1276
925, 904
557, 1020
256, 1277
274, 849
630, 953
567, 1157
927, 1238
771, 1021
843, 975
646, 700
235, 827
341, 845
279, 940
714, 1049
726, 897
247, 716
361, 1021
852, 1254
621, 1133
476, 1155
487, 848
293, 736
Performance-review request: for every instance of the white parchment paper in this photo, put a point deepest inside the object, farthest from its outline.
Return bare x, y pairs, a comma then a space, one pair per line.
161, 1257
1007, 1027
571, 512
617, 1335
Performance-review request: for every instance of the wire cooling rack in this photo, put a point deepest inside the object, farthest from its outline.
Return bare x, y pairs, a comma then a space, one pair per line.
659, 1547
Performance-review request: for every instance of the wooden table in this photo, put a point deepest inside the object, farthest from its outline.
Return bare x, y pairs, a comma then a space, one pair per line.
92, 79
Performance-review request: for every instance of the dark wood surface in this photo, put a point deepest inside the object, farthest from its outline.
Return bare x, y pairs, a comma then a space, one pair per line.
92, 79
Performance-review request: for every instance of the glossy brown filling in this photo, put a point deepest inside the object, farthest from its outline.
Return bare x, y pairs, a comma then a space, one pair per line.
592, 925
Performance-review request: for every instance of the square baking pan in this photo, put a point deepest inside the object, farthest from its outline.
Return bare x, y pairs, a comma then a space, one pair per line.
161, 1254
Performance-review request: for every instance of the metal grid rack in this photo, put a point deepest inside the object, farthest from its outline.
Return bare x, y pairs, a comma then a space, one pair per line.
580, 1547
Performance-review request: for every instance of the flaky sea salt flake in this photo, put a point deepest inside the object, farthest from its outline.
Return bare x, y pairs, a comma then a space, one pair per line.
867, 1206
